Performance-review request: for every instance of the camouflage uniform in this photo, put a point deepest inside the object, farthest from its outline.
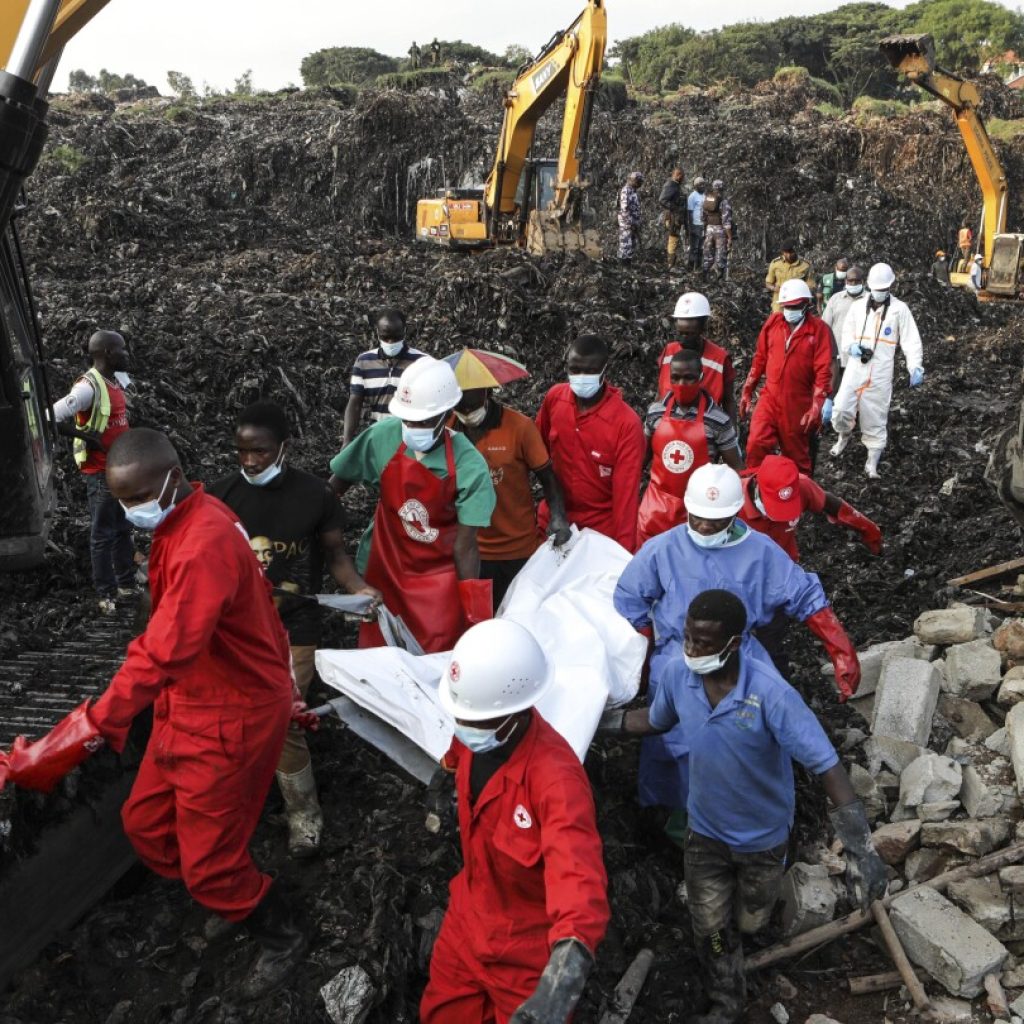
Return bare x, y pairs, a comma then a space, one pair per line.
629, 221
718, 225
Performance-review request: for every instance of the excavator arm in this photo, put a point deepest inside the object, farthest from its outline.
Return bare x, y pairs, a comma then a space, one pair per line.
71, 16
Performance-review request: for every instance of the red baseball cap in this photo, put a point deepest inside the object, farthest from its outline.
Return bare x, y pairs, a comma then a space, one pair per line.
778, 481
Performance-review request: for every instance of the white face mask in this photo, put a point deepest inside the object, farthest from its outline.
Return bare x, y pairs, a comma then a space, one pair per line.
879, 296
840, 275
421, 439
391, 348
474, 418
149, 515
480, 741
122, 378
793, 316
759, 505
708, 663
586, 385
714, 540
855, 289
272, 472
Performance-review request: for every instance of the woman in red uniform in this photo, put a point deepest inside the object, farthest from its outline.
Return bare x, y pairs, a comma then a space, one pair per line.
685, 429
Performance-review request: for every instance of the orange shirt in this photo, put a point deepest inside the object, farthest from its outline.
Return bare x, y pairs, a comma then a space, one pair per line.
512, 449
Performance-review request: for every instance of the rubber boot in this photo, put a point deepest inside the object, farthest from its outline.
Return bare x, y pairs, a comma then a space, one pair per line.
283, 944
871, 466
305, 819
726, 986
840, 446
218, 928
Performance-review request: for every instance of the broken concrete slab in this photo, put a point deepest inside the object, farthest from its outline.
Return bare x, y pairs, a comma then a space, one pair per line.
1011, 690
1015, 736
973, 837
999, 741
984, 900
908, 692
866, 788
1012, 880
941, 811
808, 898
946, 1010
973, 670
895, 754
950, 625
923, 864
1009, 639
872, 658
989, 789
894, 841
348, 996
967, 717
931, 778
953, 949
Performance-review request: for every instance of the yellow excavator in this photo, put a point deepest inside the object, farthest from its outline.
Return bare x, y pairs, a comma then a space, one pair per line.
1002, 252
32, 35
528, 201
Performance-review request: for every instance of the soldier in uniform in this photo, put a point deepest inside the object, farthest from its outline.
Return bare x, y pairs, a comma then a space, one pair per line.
435, 52
629, 217
785, 268
673, 204
717, 230
414, 56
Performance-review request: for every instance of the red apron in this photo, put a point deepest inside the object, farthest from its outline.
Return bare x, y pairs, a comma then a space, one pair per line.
678, 447
412, 554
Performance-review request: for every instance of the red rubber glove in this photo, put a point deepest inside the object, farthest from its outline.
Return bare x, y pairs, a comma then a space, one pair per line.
747, 397
828, 629
870, 534
477, 599
811, 420
42, 764
303, 717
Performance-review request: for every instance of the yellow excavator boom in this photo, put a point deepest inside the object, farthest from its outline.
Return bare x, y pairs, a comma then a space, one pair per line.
71, 17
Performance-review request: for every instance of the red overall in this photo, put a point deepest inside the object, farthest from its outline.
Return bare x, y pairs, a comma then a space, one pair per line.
412, 559
784, 534
717, 376
214, 663
533, 875
678, 447
796, 364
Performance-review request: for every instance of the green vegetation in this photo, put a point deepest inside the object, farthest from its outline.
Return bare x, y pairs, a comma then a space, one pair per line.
494, 80
181, 85
67, 158
1005, 131
105, 81
338, 65
867, 107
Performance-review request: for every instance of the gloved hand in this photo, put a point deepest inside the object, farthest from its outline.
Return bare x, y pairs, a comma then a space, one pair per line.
303, 717
440, 800
866, 876
811, 420
477, 600
826, 412
559, 529
560, 986
856, 351
917, 377
827, 628
870, 534
42, 764
747, 398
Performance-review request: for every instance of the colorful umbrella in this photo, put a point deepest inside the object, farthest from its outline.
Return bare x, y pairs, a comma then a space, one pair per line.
475, 368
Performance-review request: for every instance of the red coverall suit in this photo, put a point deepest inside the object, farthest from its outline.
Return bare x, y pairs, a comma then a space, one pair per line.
718, 373
214, 662
533, 876
797, 365
598, 455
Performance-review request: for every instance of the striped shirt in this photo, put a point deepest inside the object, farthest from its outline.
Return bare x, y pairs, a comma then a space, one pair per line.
718, 428
375, 377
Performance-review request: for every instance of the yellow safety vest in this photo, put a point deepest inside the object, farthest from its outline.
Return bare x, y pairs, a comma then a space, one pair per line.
98, 418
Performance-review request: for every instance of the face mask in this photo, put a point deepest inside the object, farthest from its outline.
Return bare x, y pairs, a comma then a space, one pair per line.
715, 540
270, 473
793, 316
149, 515
122, 378
840, 275
759, 505
708, 663
474, 418
586, 385
480, 741
855, 289
685, 394
421, 439
391, 348
880, 296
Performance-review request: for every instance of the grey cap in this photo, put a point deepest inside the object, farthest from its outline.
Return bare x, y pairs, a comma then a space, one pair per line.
718, 183
700, 180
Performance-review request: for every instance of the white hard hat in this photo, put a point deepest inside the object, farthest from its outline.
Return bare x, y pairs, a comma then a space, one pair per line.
880, 277
979, 258
497, 668
714, 491
692, 305
794, 290
426, 389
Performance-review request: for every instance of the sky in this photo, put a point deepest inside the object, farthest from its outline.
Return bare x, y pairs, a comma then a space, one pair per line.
215, 41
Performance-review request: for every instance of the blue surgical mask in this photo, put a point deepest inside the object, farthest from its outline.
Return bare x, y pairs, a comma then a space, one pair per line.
272, 472
149, 515
880, 296
421, 439
793, 316
854, 289
480, 741
391, 348
586, 385
714, 540
708, 663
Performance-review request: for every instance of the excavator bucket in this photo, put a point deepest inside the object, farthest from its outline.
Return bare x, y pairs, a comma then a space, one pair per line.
547, 234
911, 55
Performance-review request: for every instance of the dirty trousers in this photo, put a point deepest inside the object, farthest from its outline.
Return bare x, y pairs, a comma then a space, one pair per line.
775, 423
463, 990
198, 796
715, 251
295, 755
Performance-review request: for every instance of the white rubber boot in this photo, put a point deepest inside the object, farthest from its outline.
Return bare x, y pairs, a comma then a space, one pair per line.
305, 819
840, 446
871, 466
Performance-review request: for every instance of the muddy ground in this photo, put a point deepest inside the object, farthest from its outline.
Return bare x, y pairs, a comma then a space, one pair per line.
242, 247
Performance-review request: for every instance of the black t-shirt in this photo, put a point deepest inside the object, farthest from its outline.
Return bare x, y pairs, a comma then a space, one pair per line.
285, 520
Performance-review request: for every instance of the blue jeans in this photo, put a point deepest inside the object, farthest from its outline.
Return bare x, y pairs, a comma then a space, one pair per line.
110, 539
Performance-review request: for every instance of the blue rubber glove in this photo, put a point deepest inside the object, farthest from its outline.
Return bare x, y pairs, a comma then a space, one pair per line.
826, 411
917, 377
856, 351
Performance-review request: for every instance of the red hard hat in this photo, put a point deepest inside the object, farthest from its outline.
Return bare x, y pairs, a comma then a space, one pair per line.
778, 481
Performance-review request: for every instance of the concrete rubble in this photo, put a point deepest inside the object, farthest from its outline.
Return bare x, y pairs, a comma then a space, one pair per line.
808, 898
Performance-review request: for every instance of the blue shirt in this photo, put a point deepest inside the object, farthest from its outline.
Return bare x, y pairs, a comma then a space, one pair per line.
695, 204
742, 751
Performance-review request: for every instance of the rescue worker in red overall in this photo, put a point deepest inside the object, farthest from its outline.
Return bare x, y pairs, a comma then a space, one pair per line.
597, 445
435, 492
795, 353
776, 494
529, 908
686, 430
213, 662
691, 314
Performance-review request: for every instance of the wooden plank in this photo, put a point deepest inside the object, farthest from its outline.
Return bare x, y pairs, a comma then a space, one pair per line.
993, 572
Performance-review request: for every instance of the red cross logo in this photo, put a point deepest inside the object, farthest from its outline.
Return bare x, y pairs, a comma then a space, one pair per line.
785, 494
454, 671
522, 817
712, 494
677, 456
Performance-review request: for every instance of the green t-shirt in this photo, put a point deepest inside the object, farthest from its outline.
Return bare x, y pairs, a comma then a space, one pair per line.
364, 458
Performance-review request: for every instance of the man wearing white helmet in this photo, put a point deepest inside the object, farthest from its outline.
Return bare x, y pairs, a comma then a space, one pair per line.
529, 908
795, 355
875, 325
420, 550
691, 315
716, 549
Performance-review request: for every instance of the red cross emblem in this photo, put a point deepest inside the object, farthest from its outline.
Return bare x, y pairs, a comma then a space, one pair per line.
522, 817
712, 494
785, 494
454, 671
